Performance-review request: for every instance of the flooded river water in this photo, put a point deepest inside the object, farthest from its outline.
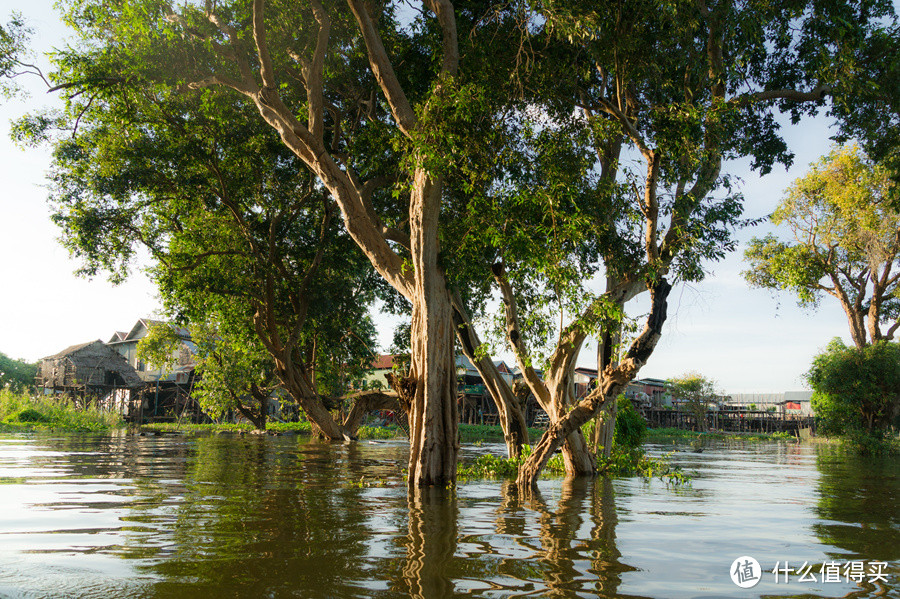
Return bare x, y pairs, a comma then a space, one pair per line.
247, 516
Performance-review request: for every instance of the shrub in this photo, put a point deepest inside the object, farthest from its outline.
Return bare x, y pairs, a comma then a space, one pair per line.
631, 428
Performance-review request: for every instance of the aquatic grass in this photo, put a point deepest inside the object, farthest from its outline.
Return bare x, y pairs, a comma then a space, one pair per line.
23, 411
488, 465
668, 434
635, 462
474, 433
380, 432
302, 427
623, 462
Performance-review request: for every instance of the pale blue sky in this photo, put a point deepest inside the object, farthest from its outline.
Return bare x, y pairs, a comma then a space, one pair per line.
740, 337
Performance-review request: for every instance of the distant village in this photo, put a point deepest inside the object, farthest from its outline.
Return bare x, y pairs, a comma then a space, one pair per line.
111, 375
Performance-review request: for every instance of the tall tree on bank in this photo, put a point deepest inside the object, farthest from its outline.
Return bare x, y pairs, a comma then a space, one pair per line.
241, 238
681, 88
856, 392
846, 244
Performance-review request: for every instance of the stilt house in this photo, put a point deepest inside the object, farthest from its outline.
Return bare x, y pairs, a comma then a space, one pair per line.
90, 372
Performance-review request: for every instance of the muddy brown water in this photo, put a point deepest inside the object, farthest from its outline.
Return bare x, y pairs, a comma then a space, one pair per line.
246, 516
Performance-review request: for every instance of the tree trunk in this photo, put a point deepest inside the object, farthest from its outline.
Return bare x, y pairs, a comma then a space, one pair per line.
605, 430
614, 383
512, 419
576, 454
320, 419
364, 403
433, 418
605, 426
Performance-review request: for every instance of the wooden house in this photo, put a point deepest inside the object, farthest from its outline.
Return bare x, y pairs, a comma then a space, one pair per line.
168, 392
90, 372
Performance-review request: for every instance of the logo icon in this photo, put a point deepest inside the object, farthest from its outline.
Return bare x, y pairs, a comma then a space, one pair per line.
745, 572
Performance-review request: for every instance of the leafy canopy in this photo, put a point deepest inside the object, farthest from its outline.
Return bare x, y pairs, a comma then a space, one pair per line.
844, 242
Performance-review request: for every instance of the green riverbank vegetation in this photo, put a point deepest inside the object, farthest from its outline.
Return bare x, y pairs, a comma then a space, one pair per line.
23, 411
664, 435
627, 457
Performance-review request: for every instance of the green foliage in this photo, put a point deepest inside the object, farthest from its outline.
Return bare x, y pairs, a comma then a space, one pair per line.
247, 248
856, 392
631, 428
31, 415
24, 411
844, 230
488, 465
158, 349
16, 375
14, 59
664, 435
633, 461
625, 461
697, 393
867, 100
378, 432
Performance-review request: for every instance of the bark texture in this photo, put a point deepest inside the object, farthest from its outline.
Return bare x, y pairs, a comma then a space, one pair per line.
512, 418
614, 381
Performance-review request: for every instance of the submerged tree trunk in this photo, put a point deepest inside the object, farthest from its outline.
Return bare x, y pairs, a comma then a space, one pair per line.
614, 381
433, 415
576, 454
605, 426
365, 403
512, 418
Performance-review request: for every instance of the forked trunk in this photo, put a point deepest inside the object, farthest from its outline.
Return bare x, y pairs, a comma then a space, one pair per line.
614, 380
577, 455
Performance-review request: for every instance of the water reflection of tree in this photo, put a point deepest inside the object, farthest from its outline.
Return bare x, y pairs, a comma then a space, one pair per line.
581, 530
256, 520
859, 504
430, 545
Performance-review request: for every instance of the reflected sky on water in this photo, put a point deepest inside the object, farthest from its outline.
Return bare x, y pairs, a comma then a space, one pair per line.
249, 516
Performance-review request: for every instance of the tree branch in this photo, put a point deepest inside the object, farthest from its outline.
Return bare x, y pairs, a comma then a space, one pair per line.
514, 336
383, 70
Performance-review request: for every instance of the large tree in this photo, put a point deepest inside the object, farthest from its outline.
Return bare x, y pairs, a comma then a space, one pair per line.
697, 393
358, 98
665, 95
241, 237
16, 375
845, 243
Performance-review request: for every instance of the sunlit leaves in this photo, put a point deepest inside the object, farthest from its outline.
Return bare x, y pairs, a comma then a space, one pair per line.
844, 234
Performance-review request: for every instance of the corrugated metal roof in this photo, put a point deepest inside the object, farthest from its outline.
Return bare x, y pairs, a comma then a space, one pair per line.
383, 362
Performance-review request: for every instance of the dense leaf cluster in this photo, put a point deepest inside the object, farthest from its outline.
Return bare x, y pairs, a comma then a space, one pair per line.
857, 390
